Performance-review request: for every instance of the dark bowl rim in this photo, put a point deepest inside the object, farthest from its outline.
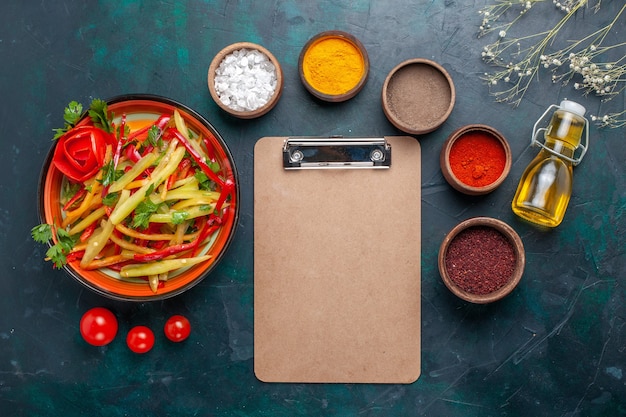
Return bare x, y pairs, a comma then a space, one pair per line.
157, 297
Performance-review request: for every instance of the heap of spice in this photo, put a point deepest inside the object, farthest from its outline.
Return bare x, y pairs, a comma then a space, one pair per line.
333, 65
477, 158
480, 260
245, 80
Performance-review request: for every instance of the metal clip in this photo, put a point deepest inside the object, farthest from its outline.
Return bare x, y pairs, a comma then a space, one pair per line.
336, 153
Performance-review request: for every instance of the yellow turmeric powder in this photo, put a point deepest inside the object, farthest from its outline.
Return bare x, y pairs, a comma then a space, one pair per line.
333, 65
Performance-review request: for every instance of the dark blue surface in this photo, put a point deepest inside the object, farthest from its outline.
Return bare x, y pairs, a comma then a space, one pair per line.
555, 347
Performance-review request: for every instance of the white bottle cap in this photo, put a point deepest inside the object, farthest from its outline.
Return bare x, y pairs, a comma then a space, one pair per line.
573, 107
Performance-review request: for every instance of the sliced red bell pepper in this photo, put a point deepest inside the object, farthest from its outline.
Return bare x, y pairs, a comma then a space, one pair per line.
75, 256
197, 157
183, 169
165, 252
205, 230
132, 153
179, 174
211, 226
120, 143
79, 194
209, 148
118, 266
227, 188
118, 152
147, 150
88, 232
158, 244
161, 122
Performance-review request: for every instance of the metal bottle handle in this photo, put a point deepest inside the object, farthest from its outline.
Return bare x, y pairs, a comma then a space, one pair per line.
583, 146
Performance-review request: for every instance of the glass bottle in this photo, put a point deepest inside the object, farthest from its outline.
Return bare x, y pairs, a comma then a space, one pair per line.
545, 187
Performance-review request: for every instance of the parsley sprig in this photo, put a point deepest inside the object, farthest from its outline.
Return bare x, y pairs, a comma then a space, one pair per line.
179, 216
110, 174
204, 181
144, 210
41, 233
58, 252
155, 136
98, 112
100, 115
72, 114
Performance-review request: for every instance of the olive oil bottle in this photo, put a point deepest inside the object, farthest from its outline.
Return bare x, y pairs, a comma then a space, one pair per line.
545, 187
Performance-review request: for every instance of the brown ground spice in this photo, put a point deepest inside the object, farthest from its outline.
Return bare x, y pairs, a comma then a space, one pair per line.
480, 260
418, 95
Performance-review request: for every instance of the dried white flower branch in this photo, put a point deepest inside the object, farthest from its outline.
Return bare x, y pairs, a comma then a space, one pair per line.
582, 61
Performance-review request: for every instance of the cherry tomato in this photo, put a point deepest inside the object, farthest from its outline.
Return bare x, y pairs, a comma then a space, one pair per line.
98, 326
140, 339
177, 328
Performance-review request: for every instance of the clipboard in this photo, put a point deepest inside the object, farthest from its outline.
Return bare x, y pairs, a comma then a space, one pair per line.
337, 262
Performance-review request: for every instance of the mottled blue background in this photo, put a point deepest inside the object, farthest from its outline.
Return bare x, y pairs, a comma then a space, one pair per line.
555, 347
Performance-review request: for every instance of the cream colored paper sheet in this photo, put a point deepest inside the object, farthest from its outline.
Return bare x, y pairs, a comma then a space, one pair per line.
337, 269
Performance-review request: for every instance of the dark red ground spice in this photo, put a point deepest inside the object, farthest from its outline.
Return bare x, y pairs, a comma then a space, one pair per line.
480, 260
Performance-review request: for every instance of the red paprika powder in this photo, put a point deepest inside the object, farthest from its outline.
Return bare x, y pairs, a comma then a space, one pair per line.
477, 158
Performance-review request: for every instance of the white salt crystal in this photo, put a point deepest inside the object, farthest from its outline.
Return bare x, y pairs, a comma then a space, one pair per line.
245, 80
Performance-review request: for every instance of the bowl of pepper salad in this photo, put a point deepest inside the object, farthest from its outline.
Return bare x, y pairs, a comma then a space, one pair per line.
138, 197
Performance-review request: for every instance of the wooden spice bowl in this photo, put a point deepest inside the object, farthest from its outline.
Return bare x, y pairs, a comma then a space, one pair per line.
325, 68
481, 260
245, 114
418, 95
482, 159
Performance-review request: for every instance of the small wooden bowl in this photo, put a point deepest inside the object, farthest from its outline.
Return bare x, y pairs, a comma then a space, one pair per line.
418, 96
448, 172
314, 89
518, 269
217, 60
